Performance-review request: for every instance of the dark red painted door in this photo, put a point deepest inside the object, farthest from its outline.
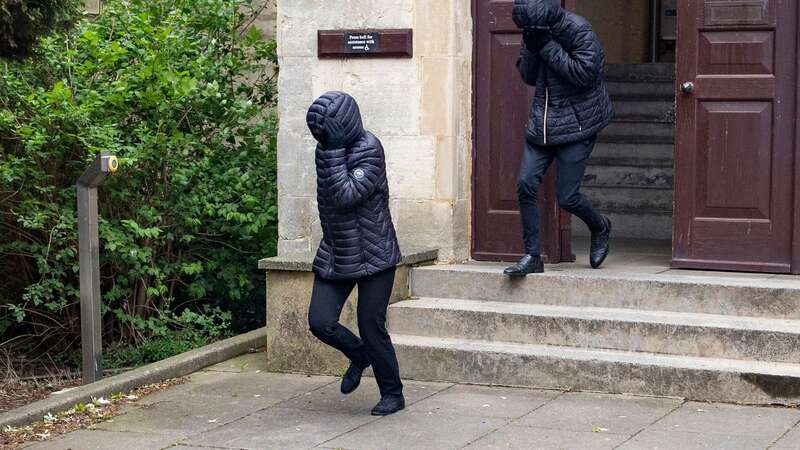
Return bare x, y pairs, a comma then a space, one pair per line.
736, 124
502, 102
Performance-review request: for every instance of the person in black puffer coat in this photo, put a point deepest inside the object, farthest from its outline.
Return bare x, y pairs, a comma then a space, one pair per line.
563, 58
358, 248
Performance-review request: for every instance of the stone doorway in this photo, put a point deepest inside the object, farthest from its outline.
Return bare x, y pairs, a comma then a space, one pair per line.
630, 174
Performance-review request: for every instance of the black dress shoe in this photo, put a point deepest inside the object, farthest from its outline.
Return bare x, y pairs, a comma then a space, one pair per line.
351, 378
528, 264
389, 404
600, 248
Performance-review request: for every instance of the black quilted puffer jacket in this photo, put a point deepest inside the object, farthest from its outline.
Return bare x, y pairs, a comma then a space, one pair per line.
358, 236
571, 101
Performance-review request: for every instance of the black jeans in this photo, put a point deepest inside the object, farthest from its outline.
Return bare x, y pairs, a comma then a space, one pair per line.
374, 347
571, 165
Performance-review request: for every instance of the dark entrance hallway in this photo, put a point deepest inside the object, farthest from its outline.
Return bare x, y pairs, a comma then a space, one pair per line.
630, 175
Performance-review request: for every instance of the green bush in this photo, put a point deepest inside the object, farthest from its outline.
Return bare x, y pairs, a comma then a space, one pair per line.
188, 331
183, 92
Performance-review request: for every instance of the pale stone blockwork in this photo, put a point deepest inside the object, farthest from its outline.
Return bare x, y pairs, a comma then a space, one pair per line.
420, 108
267, 19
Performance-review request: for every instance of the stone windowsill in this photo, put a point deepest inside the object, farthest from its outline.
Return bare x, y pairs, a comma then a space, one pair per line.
302, 262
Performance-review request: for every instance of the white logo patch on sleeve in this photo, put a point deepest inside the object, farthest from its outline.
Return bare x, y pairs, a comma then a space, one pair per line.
359, 174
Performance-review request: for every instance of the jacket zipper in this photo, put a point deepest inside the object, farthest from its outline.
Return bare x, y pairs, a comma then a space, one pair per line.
546, 104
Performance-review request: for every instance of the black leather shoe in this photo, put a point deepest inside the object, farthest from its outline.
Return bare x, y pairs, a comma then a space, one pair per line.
600, 248
351, 378
528, 264
389, 404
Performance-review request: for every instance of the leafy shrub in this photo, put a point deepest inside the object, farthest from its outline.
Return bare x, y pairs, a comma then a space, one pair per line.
188, 331
23, 21
183, 92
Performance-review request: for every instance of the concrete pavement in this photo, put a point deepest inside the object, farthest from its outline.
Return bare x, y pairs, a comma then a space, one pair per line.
237, 405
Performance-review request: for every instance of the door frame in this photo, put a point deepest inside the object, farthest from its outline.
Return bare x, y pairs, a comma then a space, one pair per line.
564, 222
796, 186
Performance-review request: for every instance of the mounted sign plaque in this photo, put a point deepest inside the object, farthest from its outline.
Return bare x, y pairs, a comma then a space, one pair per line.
365, 43
737, 12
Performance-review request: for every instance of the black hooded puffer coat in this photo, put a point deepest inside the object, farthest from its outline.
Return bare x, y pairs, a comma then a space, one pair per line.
358, 236
571, 102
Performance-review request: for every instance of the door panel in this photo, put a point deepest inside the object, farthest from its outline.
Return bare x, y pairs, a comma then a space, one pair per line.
735, 152
736, 53
734, 142
502, 102
504, 164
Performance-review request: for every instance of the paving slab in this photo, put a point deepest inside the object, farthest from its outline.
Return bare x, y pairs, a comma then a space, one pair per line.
194, 447
669, 440
281, 428
417, 430
182, 417
526, 438
484, 401
730, 420
103, 440
582, 412
790, 441
269, 388
249, 363
237, 407
330, 398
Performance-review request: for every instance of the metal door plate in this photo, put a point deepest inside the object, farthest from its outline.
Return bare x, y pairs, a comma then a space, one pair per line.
736, 12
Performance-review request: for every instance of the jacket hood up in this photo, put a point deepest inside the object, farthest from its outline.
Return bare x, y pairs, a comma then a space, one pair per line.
537, 13
335, 106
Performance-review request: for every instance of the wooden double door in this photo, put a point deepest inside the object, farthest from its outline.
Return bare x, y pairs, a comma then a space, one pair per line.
736, 169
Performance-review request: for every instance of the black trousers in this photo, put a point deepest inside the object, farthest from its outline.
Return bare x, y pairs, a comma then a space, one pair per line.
374, 347
571, 165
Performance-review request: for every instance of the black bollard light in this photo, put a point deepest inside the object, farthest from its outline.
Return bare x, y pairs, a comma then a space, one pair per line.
89, 256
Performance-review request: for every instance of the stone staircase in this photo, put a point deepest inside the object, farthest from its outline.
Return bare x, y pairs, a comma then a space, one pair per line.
712, 338
629, 177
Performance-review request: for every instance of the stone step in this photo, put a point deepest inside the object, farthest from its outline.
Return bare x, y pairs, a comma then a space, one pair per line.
607, 288
631, 131
660, 332
635, 160
641, 91
641, 73
508, 364
632, 224
627, 176
652, 110
629, 199
635, 154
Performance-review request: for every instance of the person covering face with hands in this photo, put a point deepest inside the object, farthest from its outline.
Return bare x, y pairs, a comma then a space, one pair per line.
358, 248
563, 58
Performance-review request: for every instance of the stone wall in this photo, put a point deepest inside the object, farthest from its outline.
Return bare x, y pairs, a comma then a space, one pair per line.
92, 6
420, 108
267, 21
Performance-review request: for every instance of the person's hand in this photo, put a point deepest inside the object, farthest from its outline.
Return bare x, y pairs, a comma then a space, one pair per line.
535, 38
334, 134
